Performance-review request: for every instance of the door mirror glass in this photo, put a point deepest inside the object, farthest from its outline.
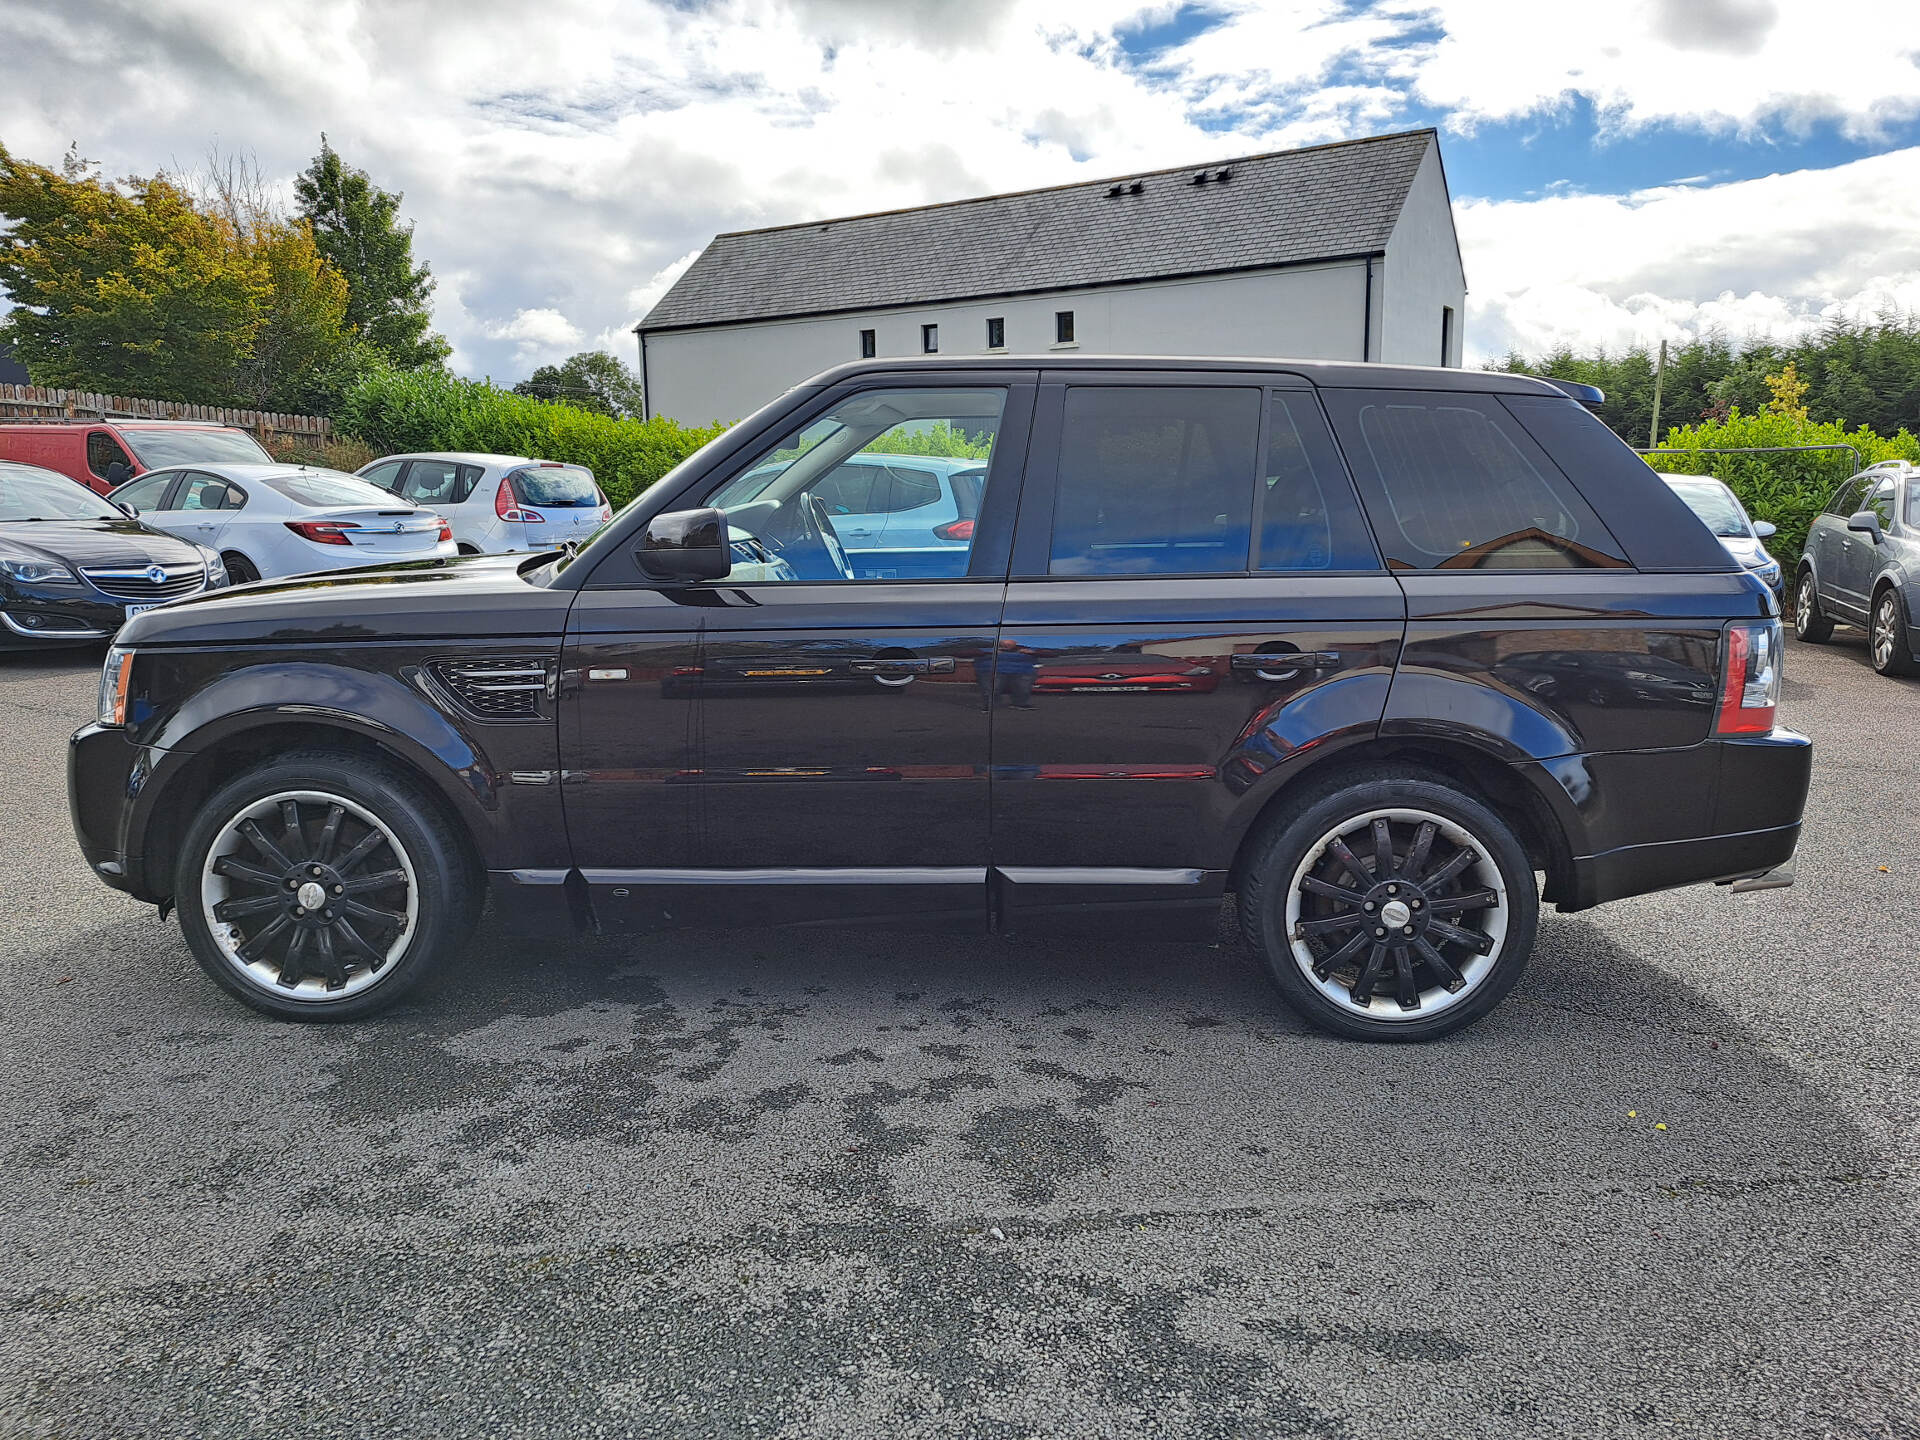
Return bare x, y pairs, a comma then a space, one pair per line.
685, 545
1764, 529
1866, 522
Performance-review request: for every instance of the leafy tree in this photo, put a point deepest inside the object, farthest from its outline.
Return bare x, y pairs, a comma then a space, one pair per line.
592, 380
356, 227
126, 288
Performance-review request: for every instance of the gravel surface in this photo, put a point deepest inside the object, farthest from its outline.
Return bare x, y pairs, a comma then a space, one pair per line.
815, 1184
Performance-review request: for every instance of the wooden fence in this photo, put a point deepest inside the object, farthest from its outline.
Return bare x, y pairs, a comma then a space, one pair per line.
37, 402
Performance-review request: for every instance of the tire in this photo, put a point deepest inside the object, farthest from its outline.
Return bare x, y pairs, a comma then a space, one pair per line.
465, 549
1888, 642
240, 570
242, 922
1292, 875
1810, 622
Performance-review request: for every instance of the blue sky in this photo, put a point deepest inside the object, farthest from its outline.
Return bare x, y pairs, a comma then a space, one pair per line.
1623, 172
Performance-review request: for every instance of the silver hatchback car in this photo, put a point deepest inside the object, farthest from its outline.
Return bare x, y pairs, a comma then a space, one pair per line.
497, 504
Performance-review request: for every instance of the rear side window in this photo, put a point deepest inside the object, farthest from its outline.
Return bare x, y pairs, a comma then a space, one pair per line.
202, 492
437, 482
904, 489
1155, 481
1309, 518
1451, 482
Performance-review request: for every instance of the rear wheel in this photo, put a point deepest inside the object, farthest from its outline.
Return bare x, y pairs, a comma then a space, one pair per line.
322, 887
1810, 622
240, 570
1395, 907
1887, 639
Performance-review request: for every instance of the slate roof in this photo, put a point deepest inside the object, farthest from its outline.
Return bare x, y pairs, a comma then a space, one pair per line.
1278, 209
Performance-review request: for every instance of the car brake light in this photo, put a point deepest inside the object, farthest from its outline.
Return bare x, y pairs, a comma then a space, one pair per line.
323, 532
955, 530
1749, 678
506, 504
606, 513
446, 531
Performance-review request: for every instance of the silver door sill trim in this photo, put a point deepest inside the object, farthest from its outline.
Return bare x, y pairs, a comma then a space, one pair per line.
1097, 875
899, 875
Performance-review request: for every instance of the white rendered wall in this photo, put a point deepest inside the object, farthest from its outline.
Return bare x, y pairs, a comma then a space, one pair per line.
1422, 273
1308, 312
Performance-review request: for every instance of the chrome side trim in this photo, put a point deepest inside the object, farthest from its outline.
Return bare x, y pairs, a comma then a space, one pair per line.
1097, 875
19, 629
899, 875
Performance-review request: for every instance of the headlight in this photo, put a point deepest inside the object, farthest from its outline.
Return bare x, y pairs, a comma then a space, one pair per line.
36, 572
1769, 572
216, 569
113, 686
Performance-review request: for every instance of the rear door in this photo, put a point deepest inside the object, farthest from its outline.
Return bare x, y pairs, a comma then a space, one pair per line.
203, 506
1195, 602
1830, 543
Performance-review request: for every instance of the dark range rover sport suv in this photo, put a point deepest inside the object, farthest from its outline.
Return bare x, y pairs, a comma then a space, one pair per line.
1367, 648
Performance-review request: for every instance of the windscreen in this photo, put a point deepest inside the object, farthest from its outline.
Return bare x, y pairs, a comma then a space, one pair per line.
331, 487
29, 493
156, 447
560, 486
1715, 505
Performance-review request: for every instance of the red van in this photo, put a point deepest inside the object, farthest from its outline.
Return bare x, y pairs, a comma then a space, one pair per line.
102, 454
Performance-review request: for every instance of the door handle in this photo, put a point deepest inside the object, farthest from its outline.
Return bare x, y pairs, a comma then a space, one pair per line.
905, 665
1286, 662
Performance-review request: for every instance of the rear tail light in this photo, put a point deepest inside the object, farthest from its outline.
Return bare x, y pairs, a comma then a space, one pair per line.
955, 530
606, 513
506, 504
1749, 678
323, 532
446, 531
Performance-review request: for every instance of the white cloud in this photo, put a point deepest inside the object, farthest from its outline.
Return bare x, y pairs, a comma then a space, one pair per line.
538, 336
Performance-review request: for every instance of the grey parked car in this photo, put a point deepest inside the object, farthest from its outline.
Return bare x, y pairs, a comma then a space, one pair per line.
1862, 564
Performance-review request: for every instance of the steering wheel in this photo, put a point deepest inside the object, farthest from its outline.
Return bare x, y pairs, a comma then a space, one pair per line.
814, 509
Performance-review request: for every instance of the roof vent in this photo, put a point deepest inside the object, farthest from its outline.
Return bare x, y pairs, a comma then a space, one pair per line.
1224, 175
1116, 190
1202, 178
1136, 188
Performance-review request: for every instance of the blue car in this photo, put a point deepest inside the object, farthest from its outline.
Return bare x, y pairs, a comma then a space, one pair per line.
1723, 514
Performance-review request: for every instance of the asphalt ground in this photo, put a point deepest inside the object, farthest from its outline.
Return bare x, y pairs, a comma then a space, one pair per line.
814, 1184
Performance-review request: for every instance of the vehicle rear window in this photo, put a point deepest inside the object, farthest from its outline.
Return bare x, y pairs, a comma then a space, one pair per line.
1451, 482
1155, 481
157, 447
329, 487
35, 494
555, 485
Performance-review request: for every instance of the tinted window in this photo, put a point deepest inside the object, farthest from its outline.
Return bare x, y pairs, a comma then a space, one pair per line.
1846, 499
104, 451
1881, 503
903, 488
1309, 518
386, 474
147, 492
158, 447
202, 492
1452, 482
1155, 481
1913, 504
776, 503
563, 486
30, 493
432, 482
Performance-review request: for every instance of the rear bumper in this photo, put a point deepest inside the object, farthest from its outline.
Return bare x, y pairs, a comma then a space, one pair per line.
1640, 821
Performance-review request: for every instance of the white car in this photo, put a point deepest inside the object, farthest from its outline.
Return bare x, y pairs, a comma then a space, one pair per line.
498, 504
273, 520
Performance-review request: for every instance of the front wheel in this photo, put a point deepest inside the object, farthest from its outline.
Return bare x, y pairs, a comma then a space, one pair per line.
322, 887
1393, 908
1810, 622
1891, 646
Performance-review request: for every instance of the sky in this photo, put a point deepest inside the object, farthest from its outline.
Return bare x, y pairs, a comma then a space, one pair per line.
1621, 172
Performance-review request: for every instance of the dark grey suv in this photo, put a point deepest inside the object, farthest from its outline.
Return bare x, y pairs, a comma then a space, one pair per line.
1861, 566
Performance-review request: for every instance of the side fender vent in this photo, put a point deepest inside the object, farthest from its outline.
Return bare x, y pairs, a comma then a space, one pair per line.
504, 687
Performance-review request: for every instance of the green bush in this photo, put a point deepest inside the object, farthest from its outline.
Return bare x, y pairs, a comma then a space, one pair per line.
1789, 490
400, 410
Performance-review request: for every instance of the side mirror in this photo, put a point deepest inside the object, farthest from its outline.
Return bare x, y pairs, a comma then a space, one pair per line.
1867, 522
1765, 529
685, 545
124, 509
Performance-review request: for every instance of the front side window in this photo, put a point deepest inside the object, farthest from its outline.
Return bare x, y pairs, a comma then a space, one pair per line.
1881, 503
104, 452
1846, 500
1451, 482
1155, 481
1309, 518
857, 459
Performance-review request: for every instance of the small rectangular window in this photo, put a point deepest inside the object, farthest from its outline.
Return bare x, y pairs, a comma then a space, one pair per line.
996, 333
1063, 327
1309, 518
930, 339
868, 347
1446, 334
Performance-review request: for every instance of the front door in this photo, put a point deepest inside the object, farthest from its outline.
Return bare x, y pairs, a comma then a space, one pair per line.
835, 754
1195, 594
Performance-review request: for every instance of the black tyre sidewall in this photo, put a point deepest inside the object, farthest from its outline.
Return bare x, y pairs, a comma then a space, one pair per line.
1900, 662
1818, 628
445, 903
249, 572
1263, 901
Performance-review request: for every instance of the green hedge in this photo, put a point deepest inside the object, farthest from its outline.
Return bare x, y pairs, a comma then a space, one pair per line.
1789, 490
395, 411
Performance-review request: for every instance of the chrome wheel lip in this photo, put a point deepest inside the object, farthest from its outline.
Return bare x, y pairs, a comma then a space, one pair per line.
1435, 998
1883, 632
263, 975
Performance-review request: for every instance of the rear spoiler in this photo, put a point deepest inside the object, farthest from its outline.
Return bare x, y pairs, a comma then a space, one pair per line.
1591, 396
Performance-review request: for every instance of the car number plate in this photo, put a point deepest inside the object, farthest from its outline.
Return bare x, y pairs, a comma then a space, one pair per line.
133, 610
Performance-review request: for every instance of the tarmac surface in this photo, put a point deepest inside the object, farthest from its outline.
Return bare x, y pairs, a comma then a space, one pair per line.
839, 1184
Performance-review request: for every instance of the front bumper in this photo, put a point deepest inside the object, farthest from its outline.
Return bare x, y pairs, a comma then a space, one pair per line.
30, 621
105, 773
